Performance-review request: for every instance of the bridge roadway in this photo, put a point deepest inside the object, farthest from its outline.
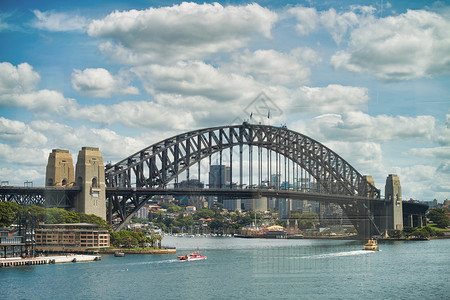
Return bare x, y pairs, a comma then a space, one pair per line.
63, 197
242, 194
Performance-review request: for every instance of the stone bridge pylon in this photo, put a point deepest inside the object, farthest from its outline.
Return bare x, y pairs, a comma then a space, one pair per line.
89, 176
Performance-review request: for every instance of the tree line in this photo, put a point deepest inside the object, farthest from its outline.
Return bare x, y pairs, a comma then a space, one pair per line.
10, 211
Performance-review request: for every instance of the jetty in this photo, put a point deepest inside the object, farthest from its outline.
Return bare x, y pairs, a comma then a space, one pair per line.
70, 258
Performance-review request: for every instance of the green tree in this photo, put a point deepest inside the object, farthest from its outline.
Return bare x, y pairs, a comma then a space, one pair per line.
204, 214
127, 239
8, 212
439, 217
420, 233
306, 220
55, 215
38, 212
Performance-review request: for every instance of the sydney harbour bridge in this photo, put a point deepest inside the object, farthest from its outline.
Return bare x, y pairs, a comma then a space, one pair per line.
253, 153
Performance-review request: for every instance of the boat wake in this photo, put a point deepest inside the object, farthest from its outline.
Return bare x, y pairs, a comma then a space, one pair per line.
338, 254
154, 262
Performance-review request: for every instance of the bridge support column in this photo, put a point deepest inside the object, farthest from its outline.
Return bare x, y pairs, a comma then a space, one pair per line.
59, 171
90, 176
394, 206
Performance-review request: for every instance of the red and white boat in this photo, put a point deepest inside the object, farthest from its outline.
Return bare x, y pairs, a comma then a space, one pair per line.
192, 256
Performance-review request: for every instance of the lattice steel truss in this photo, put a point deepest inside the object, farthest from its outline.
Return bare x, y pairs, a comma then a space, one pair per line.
156, 166
42, 196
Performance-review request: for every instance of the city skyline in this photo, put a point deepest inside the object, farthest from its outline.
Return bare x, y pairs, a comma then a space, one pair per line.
369, 79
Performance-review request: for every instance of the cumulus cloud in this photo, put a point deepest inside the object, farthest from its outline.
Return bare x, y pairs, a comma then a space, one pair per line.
42, 101
19, 134
54, 21
440, 153
307, 17
100, 83
138, 114
422, 182
18, 89
338, 24
275, 67
23, 155
411, 45
330, 99
17, 176
358, 126
185, 31
196, 78
20, 79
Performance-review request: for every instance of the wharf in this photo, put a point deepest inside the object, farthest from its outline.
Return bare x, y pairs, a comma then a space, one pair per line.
14, 262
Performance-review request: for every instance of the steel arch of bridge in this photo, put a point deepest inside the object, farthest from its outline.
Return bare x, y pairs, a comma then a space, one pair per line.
160, 163
154, 167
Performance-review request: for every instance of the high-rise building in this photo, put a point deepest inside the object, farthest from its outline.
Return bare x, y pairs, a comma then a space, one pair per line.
219, 176
284, 207
275, 181
232, 204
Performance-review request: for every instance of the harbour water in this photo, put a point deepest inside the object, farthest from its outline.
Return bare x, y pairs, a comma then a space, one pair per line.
247, 269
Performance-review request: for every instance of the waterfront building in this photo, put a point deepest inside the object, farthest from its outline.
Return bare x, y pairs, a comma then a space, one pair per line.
71, 237
11, 244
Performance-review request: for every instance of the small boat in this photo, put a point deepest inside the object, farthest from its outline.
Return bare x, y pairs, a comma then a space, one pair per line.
192, 257
371, 245
119, 254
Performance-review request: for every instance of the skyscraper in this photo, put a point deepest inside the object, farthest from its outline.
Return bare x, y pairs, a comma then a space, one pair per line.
219, 176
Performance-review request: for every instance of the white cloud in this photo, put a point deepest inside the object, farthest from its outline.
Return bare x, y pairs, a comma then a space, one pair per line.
23, 155
20, 79
358, 126
422, 182
307, 17
411, 45
53, 21
19, 134
100, 83
17, 176
330, 99
275, 67
44, 101
440, 153
17, 89
185, 31
196, 78
338, 24
137, 114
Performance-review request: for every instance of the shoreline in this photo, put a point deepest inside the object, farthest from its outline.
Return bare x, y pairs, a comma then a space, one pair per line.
45, 260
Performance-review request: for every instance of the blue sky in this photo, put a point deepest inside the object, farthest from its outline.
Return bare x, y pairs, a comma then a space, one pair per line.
369, 79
